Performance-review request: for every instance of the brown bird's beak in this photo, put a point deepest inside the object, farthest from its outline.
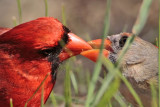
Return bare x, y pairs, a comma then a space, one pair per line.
93, 53
75, 46
95, 44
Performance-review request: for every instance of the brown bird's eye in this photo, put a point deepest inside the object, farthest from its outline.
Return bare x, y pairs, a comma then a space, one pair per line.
122, 41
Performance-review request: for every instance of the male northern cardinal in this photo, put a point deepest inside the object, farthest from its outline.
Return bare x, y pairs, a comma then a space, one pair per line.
139, 64
29, 52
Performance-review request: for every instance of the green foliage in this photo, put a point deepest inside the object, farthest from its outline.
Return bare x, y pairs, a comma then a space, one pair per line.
142, 17
154, 95
63, 16
53, 99
109, 93
120, 100
19, 11
11, 102
74, 82
67, 91
46, 7
42, 96
97, 68
14, 21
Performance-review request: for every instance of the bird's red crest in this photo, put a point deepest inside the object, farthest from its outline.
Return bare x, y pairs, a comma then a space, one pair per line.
35, 35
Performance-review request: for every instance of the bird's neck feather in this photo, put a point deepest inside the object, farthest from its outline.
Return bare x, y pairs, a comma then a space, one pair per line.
25, 75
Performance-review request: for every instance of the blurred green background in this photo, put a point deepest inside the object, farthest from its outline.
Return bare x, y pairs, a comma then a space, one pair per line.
85, 17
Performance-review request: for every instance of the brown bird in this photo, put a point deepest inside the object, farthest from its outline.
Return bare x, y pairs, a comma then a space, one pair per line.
139, 64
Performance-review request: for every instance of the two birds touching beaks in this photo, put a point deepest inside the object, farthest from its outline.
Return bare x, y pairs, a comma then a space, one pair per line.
32, 50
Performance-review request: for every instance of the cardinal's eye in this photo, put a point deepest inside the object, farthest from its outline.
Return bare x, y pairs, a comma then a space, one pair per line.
122, 41
46, 52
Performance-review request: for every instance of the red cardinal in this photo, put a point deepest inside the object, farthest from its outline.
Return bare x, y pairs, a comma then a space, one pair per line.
28, 52
139, 64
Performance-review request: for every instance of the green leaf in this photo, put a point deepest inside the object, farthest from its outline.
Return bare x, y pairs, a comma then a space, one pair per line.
74, 82
154, 95
19, 11
63, 16
109, 93
67, 91
120, 100
142, 17
42, 96
46, 7
97, 68
53, 99
11, 102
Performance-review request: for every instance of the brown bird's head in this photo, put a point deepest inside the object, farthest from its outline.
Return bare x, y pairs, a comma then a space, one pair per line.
140, 61
112, 46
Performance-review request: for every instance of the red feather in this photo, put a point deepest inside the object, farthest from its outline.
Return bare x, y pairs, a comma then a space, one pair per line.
22, 68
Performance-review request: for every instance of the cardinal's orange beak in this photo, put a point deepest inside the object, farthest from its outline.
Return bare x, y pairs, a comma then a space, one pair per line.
75, 46
93, 53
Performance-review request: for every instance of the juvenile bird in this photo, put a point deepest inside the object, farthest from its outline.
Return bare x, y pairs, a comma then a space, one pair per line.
28, 53
139, 64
